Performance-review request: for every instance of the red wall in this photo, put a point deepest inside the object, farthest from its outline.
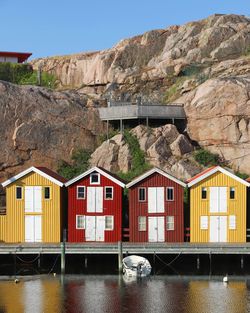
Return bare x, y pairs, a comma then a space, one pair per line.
172, 208
79, 207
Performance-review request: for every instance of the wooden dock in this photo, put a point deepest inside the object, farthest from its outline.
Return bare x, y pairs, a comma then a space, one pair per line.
126, 248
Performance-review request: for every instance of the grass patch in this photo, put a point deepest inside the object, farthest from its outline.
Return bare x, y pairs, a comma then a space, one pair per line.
242, 175
174, 92
206, 158
23, 74
47, 80
138, 164
80, 163
103, 137
191, 71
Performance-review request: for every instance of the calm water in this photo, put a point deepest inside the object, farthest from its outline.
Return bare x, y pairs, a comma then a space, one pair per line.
91, 294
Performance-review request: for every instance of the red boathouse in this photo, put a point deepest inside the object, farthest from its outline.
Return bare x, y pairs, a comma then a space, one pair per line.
156, 208
95, 207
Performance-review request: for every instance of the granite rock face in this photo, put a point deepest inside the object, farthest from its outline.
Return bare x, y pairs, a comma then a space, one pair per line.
40, 127
218, 114
164, 147
143, 64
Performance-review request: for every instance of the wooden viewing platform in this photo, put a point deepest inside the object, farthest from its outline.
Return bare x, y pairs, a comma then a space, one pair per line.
146, 111
127, 248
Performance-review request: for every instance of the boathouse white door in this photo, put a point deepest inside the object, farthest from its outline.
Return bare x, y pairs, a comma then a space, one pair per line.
33, 199
33, 228
156, 200
218, 199
95, 228
95, 199
156, 229
218, 228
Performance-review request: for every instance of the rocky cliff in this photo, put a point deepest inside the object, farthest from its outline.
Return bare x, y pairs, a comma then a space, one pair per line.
40, 127
146, 64
204, 64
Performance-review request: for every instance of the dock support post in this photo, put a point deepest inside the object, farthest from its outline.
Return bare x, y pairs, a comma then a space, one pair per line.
86, 261
15, 264
154, 262
63, 252
39, 261
210, 264
107, 129
198, 262
242, 262
120, 256
147, 123
121, 127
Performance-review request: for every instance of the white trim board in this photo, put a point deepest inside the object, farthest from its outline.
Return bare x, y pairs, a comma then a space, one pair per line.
215, 170
152, 171
29, 170
95, 169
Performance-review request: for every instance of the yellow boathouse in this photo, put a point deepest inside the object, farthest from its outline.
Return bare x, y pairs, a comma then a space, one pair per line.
33, 207
218, 206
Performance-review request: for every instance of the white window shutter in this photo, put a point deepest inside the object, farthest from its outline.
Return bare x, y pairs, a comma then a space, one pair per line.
204, 222
232, 222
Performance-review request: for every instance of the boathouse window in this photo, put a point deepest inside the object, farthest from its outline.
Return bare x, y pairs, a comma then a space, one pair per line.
80, 222
142, 223
204, 222
108, 193
109, 222
142, 194
203, 193
232, 193
232, 222
170, 193
80, 192
19, 193
47, 193
94, 178
170, 223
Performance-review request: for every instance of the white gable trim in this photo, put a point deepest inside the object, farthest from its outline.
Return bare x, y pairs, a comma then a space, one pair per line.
152, 171
95, 169
213, 171
29, 170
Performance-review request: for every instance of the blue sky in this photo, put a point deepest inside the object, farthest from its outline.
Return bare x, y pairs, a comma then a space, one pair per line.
58, 27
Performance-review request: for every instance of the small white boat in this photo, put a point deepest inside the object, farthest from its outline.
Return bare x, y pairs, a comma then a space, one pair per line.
135, 265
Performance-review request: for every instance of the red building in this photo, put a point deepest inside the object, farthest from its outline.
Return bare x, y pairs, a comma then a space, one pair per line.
14, 57
156, 208
95, 207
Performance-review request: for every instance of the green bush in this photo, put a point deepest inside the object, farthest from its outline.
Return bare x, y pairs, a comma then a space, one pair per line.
47, 80
80, 163
14, 72
103, 137
138, 164
191, 70
173, 92
23, 74
206, 158
242, 175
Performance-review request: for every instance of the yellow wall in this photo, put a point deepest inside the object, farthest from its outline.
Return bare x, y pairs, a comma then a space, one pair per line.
51, 211
199, 207
3, 227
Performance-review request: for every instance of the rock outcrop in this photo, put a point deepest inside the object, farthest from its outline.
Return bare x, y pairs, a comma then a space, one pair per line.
140, 64
164, 147
40, 127
218, 114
